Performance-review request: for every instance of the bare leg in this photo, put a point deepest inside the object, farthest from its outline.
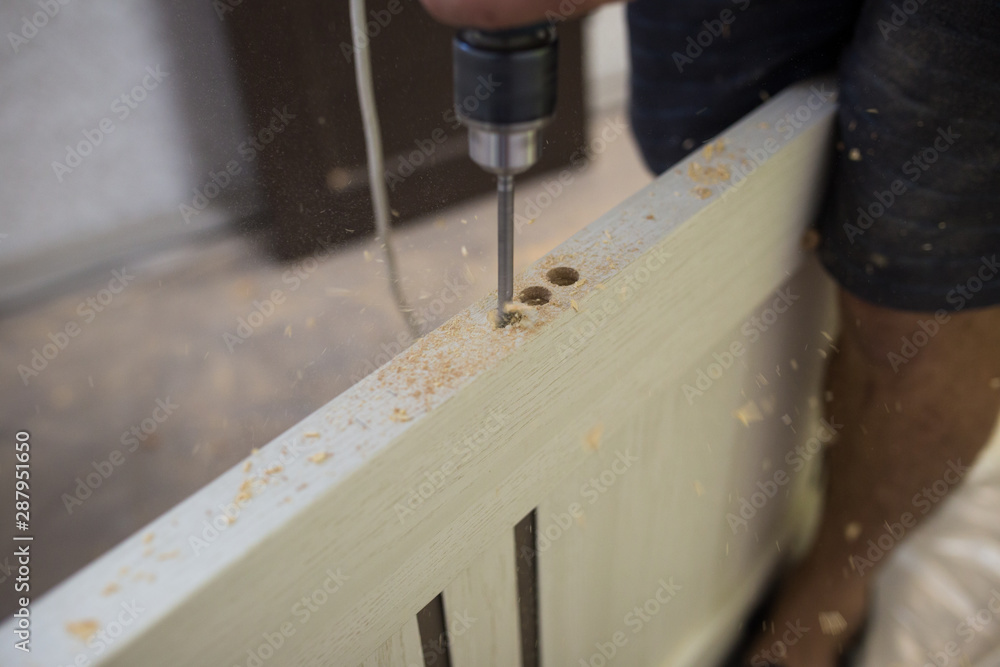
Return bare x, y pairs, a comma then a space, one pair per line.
904, 429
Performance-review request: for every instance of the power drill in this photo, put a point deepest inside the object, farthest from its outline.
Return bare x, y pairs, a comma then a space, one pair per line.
505, 128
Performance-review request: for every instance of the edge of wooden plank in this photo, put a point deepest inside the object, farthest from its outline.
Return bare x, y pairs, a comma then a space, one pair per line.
313, 517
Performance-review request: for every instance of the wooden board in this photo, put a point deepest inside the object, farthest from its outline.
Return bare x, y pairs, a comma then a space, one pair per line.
481, 609
401, 649
654, 520
348, 524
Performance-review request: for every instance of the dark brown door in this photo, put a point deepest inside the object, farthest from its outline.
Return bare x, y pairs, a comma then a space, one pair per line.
295, 65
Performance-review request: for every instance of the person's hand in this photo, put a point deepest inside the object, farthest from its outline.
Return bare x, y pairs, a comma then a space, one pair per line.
495, 14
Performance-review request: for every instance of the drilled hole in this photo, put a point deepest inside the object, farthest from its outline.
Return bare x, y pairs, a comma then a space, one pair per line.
534, 296
562, 276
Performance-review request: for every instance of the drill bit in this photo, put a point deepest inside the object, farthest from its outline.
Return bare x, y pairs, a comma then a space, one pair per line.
505, 246
505, 93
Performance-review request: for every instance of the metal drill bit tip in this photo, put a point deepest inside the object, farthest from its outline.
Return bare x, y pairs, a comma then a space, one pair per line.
505, 246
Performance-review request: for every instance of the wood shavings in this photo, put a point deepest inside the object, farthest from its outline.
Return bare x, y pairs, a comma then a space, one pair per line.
169, 555
319, 457
110, 589
246, 466
465, 251
399, 415
83, 630
713, 148
852, 531
245, 493
708, 174
832, 623
311, 434
854, 155
524, 316
147, 538
274, 470
701, 193
593, 438
368, 255
574, 305
749, 413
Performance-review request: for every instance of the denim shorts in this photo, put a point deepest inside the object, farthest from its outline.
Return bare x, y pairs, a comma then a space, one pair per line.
912, 215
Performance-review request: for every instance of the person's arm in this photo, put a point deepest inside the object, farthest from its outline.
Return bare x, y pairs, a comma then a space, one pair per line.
494, 14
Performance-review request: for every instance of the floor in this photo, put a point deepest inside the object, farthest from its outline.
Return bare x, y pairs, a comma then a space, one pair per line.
151, 381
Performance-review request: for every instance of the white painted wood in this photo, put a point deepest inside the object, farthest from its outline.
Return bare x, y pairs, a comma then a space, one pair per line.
481, 609
472, 427
663, 518
401, 649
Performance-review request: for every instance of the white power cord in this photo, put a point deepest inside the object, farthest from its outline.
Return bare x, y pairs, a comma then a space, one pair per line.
376, 161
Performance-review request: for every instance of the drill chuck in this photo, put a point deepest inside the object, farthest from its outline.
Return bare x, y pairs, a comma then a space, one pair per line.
505, 93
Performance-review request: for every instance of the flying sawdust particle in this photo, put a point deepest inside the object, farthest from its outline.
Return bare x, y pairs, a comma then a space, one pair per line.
593, 438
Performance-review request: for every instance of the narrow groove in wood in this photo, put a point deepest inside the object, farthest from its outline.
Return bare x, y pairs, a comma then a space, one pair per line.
434, 633
527, 589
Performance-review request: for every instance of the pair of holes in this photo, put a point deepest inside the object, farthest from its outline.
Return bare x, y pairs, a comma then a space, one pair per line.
537, 295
